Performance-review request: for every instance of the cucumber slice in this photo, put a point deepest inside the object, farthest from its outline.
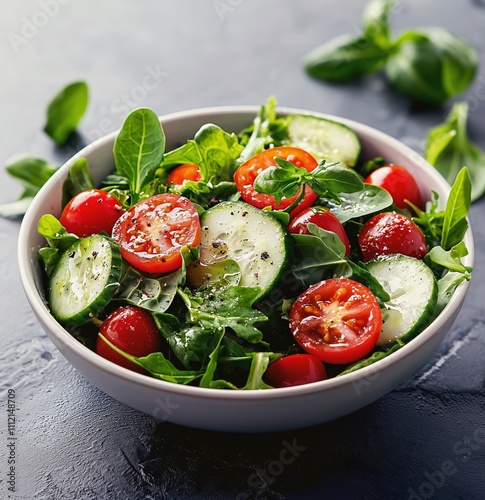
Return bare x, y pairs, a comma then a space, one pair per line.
85, 279
255, 240
413, 290
324, 139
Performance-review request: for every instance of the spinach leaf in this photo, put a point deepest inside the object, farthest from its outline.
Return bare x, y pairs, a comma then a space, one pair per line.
361, 274
326, 180
138, 150
65, 110
79, 179
319, 256
370, 200
455, 223
158, 366
431, 64
32, 173
449, 149
58, 240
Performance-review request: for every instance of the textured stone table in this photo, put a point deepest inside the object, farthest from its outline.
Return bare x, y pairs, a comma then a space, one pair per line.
423, 440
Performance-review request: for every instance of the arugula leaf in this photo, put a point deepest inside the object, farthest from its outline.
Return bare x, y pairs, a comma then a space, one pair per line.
448, 148
226, 307
431, 64
58, 240
455, 223
447, 286
32, 173
158, 366
259, 364
448, 259
65, 110
78, 179
138, 150
430, 221
361, 274
370, 200
327, 180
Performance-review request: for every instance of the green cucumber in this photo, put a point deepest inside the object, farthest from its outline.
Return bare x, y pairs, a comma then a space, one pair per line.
324, 139
245, 234
413, 290
85, 279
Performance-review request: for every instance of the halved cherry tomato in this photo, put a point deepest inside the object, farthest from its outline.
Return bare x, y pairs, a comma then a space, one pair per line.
246, 174
324, 219
338, 320
391, 232
296, 369
152, 232
399, 183
91, 212
187, 172
132, 330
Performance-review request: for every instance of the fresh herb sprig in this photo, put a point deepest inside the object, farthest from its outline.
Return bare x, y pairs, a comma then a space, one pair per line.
326, 180
427, 64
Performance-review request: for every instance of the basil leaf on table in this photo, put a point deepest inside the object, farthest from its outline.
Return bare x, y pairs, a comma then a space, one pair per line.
32, 173
376, 21
449, 149
65, 111
431, 64
138, 150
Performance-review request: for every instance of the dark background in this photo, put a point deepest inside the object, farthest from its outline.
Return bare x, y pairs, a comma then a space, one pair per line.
426, 439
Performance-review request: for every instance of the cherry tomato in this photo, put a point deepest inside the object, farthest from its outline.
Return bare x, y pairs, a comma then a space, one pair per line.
131, 330
338, 320
187, 172
399, 183
152, 232
391, 232
91, 212
324, 219
296, 369
249, 170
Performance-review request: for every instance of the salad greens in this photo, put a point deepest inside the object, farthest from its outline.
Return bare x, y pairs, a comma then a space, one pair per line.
221, 335
427, 64
448, 148
65, 111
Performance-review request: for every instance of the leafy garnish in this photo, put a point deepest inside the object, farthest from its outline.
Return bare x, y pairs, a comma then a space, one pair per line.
449, 149
138, 150
65, 111
78, 179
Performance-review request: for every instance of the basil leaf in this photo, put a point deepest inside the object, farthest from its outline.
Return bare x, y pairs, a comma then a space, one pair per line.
32, 173
138, 150
431, 64
345, 58
359, 204
376, 21
448, 148
79, 179
455, 223
65, 110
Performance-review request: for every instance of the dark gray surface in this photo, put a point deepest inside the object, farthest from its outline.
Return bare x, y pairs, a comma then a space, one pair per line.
76, 443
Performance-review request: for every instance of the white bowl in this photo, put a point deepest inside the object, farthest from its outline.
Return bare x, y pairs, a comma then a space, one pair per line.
218, 409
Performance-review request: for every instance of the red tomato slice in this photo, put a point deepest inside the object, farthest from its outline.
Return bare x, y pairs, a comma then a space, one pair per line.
296, 369
152, 232
338, 320
132, 330
246, 174
399, 183
324, 219
91, 212
187, 172
391, 232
